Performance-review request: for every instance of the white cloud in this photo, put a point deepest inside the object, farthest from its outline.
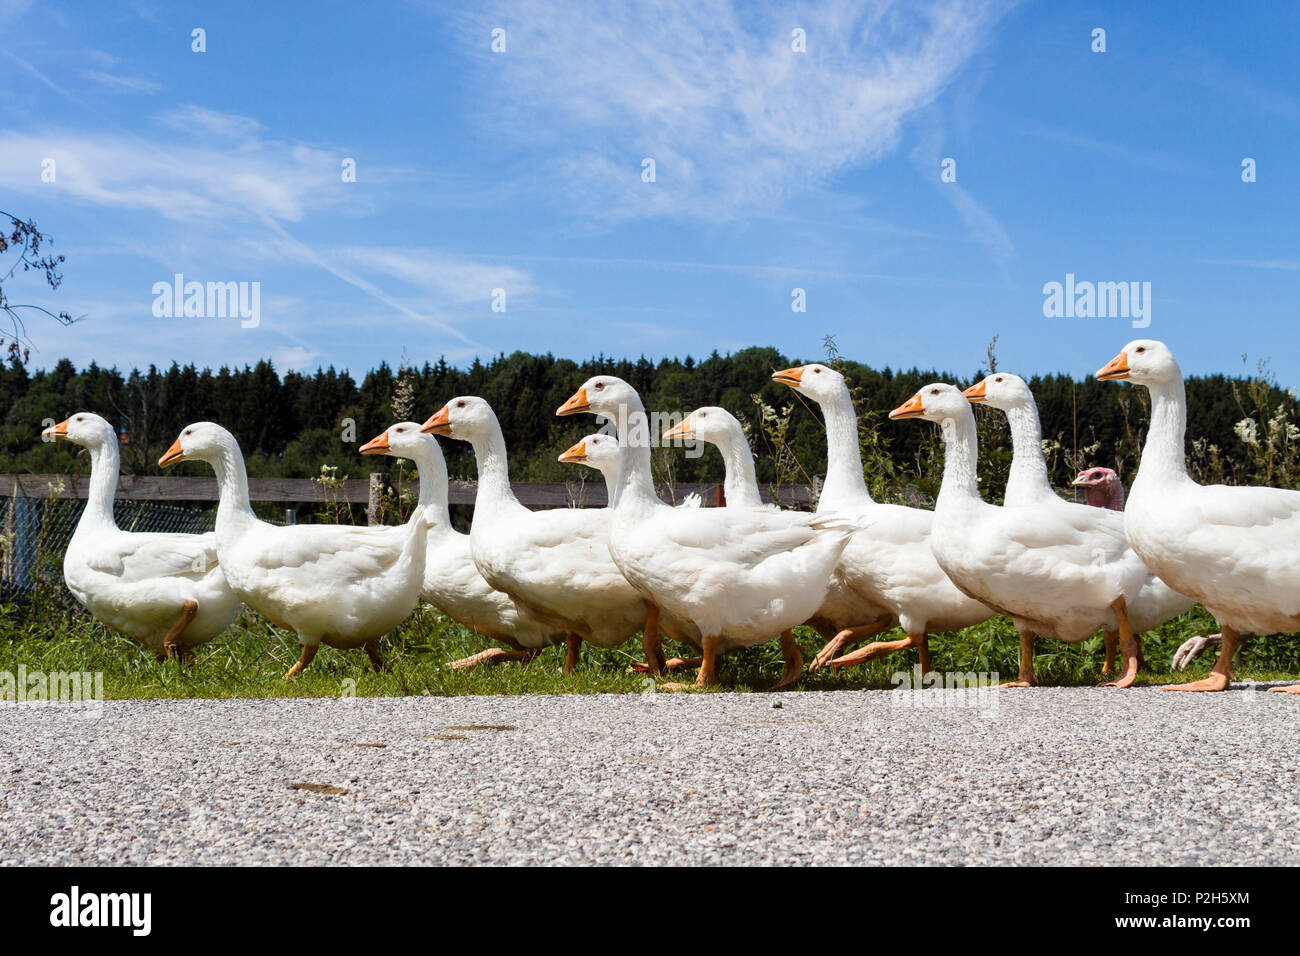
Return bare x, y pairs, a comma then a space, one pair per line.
13, 9
123, 84
295, 358
202, 122
981, 224
735, 120
451, 278
179, 181
1285, 265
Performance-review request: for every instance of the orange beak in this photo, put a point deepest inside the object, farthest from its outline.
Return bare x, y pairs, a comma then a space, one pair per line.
1115, 369
789, 376
172, 455
683, 429
376, 446
912, 408
976, 392
576, 454
57, 431
577, 403
439, 423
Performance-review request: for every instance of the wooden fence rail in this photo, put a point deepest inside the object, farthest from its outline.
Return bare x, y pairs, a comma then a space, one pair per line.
360, 491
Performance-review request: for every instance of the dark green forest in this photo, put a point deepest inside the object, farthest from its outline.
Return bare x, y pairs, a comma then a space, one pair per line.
291, 424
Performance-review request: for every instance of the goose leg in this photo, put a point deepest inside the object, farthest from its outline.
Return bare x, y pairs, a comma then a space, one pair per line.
1027, 677
882, 648
1289, 689
651, 644
923, 649
850, 635
1127, 644
572, 642
305, 658
708, 675
792, 654
171, 640
493, 655
376, 656
1112, 642
1221, 676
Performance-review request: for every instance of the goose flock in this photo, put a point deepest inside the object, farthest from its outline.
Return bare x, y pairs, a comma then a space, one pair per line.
721, 578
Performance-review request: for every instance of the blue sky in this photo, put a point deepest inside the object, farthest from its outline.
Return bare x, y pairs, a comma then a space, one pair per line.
774, 170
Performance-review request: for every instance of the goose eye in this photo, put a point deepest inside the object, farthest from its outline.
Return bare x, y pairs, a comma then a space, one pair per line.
704, 414
460, 404
817, 371
998, 379
189, 431
599, 386
1141, 349
934, 391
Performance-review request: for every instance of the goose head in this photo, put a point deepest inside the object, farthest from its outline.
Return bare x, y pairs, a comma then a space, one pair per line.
597, 451
1144, 361
465, 417
712, 424
1001, 390
403, 440
84, 428
937, 402
202, 441
819, 382
605, 395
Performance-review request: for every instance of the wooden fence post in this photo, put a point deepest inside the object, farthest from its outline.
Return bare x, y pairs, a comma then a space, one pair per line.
378, 484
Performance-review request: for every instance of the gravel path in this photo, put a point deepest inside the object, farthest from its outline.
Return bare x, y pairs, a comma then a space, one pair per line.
1053, 775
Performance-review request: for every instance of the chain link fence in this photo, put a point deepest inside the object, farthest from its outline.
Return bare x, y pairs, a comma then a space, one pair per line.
34, 533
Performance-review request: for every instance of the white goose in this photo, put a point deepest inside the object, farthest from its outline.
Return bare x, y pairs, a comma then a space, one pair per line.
887, 572
604, 453
1052, 570
601, 453
166, 590
742, 577
720, 428
842, 608
556, 563
1231, 548
339, 585
1029, 487
452, 582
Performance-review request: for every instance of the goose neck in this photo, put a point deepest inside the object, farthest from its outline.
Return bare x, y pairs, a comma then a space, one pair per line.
233, 506
1163, 455
844, 478
1028, 475
740, 484
960, 460
432, 470
105, 466
493, 467
636, 487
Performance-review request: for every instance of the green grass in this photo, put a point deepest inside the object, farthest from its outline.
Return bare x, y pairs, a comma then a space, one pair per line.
248, 661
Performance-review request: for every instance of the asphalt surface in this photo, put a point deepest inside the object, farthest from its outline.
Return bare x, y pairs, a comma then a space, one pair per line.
1041, 776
